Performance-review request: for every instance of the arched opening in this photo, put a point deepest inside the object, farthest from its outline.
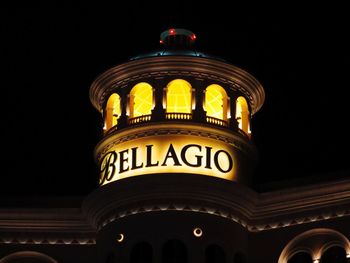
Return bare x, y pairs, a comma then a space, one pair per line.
239, 258
141, 253
113, 111
300, 257
334, 254
215, 254
242, 114
179, 99
314, 242
174, 251
216, 103
141, 100
27, 257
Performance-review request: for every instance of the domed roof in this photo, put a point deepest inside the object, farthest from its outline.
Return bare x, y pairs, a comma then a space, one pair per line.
176, 52
177, 42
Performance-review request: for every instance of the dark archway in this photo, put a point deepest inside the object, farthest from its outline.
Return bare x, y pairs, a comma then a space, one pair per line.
334, 254
239, 258
300, 257
141, 253
215, 254
174, 251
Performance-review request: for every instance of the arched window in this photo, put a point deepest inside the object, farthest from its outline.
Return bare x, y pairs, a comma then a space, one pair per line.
174, 251
300, 257
239, 258
141, 100
215, 254
113, 111
242, 114
216, 102
141, 253
334, 254
179, 97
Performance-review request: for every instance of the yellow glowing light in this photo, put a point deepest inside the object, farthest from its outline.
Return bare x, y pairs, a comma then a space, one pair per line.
141, 100
168, 154
179, 96
216, 102
242, 115
113, 111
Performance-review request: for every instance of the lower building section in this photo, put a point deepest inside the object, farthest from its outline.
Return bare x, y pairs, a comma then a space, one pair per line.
171, 236
179, 219
184, 237
181, 237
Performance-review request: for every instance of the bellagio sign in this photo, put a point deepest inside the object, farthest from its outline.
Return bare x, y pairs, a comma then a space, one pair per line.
168, 154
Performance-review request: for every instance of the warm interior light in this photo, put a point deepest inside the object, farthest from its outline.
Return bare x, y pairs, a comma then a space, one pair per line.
242, 114
178, 96
193, 37
113, 111
168, 154
161, 41
141, 100
216, 102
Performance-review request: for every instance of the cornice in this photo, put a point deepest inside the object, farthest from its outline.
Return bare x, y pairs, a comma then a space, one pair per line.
293, 199
256, 212
155, 67
171, 129
188, 193
45, 226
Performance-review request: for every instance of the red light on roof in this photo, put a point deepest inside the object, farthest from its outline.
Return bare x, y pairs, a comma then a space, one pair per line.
172, 31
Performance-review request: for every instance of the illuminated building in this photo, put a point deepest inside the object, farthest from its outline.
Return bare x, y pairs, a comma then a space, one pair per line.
176, 160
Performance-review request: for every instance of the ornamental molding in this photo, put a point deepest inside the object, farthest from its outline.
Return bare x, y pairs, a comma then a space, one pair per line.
169, 129
123, 84
30, 239
121, 76
256, 212
226, 214
61, 226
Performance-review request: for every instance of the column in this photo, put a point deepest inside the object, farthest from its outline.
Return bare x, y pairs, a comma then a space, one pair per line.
233, 124
123, 120
199, 114
158, 112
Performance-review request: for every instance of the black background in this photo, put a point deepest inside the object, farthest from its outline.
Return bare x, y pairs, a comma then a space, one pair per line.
52, 54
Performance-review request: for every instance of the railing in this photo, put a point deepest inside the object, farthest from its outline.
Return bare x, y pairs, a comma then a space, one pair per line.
110, 130
244, 133
178, 116
217, 121
140, 119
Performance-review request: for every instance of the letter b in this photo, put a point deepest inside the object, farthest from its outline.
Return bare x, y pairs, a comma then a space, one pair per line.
108, 167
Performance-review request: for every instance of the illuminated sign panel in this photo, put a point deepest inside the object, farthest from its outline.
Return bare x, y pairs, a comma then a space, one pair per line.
168, 154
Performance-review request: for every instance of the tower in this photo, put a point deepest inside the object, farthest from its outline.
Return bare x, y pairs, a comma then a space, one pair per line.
175, 157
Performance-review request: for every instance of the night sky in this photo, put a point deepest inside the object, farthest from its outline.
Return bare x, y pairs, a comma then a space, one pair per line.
51, 56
